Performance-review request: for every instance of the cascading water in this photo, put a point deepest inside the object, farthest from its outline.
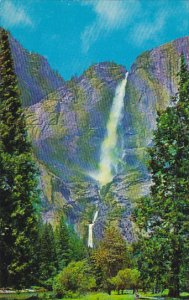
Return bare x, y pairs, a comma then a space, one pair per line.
90, 237
107, 156
108, 161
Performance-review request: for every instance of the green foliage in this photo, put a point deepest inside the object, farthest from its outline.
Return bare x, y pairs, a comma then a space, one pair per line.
18, 182
77, 248
164, 216
111, 256
75, 278
125, 279
47, 253
62, 244
55, 249
151, 255
69, 296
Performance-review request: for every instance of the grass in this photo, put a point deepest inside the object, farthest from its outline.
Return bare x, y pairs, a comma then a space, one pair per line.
103, 296
91, 296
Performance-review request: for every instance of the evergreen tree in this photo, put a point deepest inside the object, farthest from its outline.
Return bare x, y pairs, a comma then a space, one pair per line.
18, 181
62, 244
110, 256
77, 248
164, 216
47, 253
152, 258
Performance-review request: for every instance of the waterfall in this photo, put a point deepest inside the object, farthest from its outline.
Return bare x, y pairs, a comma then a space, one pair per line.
90, 237
108, 161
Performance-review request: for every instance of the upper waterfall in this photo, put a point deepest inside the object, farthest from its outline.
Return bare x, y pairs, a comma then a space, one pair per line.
107, 156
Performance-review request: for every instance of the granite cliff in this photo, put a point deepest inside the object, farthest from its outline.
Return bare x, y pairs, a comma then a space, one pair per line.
67, 124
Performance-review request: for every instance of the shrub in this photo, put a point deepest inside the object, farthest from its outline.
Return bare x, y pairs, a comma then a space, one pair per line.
75, 278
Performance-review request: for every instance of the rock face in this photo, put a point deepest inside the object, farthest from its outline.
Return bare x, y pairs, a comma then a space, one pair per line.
67, 124
35, 77
152, 82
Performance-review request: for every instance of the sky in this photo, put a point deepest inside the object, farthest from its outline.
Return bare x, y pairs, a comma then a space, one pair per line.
73, 34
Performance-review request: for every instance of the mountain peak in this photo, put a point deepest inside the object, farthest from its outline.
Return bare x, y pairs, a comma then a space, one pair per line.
68, 122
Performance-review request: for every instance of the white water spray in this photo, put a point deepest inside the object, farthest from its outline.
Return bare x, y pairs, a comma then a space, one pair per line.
90, 237
107, 157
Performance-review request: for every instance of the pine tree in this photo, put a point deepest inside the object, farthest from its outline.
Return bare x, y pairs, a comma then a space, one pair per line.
164, 216
77, 248
18, 181
47, 253
62, 244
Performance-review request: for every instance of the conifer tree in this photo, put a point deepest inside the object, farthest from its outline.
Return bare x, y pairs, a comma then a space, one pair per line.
62, 244
47, 253
18, 181
164, 216
77, 248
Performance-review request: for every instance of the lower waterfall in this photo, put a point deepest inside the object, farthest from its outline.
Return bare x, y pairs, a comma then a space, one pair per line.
108, 159
90, 236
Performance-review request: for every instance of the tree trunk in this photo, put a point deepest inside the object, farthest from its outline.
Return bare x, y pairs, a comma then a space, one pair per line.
174, 281
174, 291
109, 291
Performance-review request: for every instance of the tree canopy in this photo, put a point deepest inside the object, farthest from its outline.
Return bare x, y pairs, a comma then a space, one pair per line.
18, 181
163, 217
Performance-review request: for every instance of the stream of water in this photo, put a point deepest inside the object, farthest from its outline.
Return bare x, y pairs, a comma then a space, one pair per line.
90, 237
108, 161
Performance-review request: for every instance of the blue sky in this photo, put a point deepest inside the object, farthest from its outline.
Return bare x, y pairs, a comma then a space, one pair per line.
72, 35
